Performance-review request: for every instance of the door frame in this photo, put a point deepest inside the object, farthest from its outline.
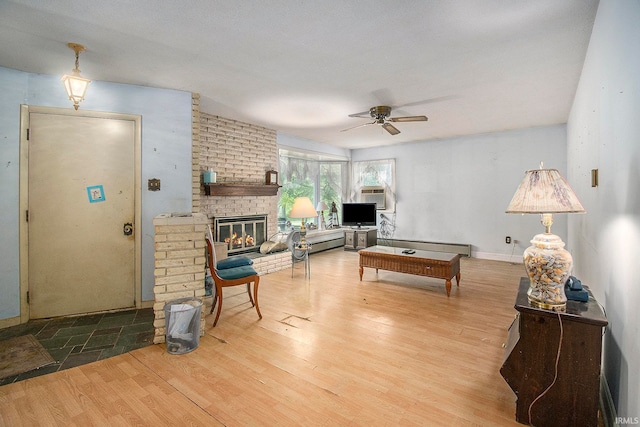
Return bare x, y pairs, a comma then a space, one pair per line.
25, 110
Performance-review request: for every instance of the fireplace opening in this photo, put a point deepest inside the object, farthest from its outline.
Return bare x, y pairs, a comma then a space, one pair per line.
241, 234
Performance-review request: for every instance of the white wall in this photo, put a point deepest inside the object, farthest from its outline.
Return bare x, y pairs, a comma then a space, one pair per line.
604, 133
166, 154
456, 190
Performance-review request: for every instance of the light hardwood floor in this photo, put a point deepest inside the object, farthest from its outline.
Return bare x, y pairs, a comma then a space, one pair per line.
331, 351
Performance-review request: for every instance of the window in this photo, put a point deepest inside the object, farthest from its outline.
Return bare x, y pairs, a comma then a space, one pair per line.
375, 173
317, 176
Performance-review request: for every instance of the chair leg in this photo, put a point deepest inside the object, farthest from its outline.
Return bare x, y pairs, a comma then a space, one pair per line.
255, 295
249, 292
215, 298
218, 302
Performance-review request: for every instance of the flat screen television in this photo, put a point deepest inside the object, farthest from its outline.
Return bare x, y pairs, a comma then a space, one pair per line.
358, 214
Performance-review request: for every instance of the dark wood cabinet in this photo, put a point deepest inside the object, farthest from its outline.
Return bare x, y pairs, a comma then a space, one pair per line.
530, 359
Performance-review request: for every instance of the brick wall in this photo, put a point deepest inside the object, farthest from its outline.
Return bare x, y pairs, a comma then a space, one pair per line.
237, 152
272, 262
179, 264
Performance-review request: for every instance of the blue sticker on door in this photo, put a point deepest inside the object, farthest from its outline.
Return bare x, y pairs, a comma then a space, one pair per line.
96, 194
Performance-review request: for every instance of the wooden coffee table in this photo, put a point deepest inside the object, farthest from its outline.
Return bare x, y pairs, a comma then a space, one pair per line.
441, 265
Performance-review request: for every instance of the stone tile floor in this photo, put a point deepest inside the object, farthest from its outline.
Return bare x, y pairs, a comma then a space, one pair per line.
75, 341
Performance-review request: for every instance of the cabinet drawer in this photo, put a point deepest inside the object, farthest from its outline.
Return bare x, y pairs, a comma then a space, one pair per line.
348, 239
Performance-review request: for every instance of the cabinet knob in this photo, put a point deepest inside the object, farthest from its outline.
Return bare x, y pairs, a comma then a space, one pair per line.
504, 345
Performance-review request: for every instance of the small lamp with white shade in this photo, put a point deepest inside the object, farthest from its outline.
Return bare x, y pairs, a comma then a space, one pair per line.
321, 207
302, 209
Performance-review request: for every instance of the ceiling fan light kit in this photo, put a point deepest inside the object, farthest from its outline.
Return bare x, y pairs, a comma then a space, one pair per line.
381, 114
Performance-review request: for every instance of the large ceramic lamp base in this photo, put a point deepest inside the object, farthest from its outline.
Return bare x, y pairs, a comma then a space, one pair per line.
548, 266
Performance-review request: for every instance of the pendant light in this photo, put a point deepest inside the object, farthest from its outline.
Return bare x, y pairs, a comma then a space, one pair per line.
75, 84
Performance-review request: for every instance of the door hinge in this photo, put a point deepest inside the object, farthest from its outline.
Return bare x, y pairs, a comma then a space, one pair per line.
27, 134
27, 215
28, 297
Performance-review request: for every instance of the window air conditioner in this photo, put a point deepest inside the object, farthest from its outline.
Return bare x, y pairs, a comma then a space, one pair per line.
373, 195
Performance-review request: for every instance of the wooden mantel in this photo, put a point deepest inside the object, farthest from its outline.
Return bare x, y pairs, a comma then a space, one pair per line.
240, 189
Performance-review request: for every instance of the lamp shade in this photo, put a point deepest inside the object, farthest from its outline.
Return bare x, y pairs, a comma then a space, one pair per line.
322, 206
76, 87
302, 208
544, 191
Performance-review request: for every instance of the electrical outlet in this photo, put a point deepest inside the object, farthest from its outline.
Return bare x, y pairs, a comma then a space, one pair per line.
507, 240
153, 184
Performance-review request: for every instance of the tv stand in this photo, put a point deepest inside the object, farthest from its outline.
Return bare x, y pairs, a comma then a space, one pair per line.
360, 238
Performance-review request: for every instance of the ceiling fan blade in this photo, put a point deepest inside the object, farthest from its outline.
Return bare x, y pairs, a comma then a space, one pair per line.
409, 119
356, 127
364, 114
426, 101
390, 128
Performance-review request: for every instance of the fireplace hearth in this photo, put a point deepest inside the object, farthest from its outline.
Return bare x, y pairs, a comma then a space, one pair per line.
242, 234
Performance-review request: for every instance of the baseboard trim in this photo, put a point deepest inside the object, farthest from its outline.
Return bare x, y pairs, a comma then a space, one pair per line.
607, 408
516, 259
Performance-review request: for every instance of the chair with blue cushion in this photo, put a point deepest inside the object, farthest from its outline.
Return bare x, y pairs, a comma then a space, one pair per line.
233, 271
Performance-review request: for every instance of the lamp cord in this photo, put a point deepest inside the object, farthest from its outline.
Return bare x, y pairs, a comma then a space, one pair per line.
513, 250
555, 377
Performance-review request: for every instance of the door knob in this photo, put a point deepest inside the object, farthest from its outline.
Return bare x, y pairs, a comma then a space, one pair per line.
127, 229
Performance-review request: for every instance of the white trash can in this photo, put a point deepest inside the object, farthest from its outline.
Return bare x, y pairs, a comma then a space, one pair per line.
182, 323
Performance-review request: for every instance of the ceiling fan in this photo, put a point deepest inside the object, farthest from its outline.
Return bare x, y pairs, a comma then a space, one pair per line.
381, 114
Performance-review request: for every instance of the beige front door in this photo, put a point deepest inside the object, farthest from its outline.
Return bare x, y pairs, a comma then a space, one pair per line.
81, 198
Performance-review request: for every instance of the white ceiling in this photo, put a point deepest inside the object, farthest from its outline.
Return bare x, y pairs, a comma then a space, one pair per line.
301, 67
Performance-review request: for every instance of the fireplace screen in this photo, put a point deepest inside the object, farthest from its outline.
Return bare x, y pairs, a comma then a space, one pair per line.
242, 234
